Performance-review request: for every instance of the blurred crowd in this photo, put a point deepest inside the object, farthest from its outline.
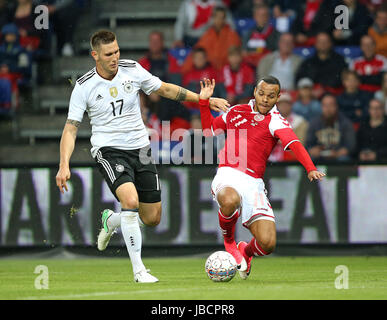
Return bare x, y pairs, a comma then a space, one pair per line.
333, 76
334, 81
28, 32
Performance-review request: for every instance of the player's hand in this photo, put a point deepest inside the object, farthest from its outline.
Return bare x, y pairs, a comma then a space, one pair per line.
219, 104
61, 177
315, 175
206, 88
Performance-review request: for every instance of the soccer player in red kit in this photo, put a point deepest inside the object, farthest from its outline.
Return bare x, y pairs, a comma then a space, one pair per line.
252, 131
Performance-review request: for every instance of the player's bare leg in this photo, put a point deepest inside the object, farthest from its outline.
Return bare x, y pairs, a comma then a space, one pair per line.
150, 213
262, 243
229, 202
127, 194
265, 236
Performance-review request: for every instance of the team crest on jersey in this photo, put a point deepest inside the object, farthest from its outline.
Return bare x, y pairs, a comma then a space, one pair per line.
128, 87
119, 168
259, 117
113, 92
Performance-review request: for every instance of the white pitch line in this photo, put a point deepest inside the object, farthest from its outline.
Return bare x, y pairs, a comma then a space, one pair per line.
108, 293
112, 293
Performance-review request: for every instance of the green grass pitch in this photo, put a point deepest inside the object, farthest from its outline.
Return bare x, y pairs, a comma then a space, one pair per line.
185, 278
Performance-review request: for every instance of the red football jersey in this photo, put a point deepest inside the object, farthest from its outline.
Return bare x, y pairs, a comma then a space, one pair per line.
369, 68
235, 81
251, 136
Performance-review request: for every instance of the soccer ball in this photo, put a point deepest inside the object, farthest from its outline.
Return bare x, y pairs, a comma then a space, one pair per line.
221, 266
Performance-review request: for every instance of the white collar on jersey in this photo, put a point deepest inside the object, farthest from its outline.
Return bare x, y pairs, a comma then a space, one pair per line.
252, 104
107, 80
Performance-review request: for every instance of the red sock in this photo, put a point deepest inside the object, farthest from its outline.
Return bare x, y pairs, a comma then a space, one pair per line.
227, 224
254, 249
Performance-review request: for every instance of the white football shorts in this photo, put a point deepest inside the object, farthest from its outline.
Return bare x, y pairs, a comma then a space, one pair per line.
254, 203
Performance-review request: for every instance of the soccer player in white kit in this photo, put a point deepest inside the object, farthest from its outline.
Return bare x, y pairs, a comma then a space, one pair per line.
253, 129
109, 93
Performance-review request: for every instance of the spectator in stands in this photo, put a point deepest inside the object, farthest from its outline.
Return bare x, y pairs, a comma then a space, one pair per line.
262, 38
284, 13
237, 78
359, 22
64, 17
191, 141
161, 63
378, 31
282, 63
306, 105
23, 16
216, 41
5, 98
372, 134
372, 5
324, 67
162, 128
381, 95
331, 136
197, 148
152, 123
286, 8
193, 19
370, 66
353, 102
5, 14
298, 123
15, 62
241, 9
201, 69
314, 17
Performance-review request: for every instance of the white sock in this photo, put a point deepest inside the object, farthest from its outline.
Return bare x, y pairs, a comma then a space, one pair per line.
114, 220
132, 235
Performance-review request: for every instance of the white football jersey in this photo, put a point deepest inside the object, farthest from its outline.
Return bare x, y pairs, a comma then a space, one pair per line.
113, 106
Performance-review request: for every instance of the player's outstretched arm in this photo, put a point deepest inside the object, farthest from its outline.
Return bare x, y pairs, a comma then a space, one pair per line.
303, 157
210, 125
67, 143
177, 93
291, 141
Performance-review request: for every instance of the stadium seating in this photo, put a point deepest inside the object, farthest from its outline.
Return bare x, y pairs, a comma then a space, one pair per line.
349, 52
304, 52
47, 127
54, 97
180, 54
135, 37
70, 68
244, 24
118, 11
